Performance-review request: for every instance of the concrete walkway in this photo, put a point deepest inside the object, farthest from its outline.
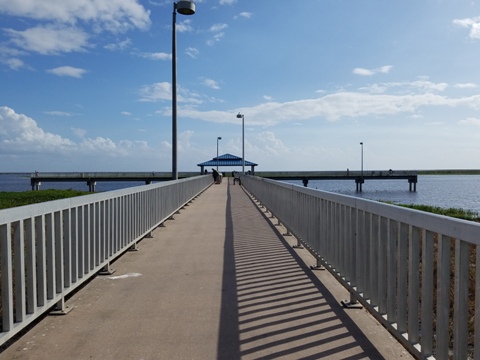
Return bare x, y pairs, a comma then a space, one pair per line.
218, 282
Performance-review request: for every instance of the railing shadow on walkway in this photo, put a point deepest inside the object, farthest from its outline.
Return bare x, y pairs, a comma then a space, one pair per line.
272, 305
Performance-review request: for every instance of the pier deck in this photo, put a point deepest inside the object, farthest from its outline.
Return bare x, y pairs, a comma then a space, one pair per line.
358, 176
218, 282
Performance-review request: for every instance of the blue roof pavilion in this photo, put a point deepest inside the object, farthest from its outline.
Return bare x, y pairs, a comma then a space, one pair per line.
226, 160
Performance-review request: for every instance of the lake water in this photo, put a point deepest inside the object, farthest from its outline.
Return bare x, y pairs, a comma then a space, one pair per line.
21, 182
457, 191
446, 191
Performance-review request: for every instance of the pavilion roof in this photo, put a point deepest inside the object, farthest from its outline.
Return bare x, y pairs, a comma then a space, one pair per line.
226, 160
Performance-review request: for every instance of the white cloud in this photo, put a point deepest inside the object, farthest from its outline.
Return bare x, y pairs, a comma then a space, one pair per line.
57, 113
112, 15
155, 92
184, 26
119, 46
68, 71
470, 122
472, 23
227, 2
465, 86
211, 84
14, 63
21, 135
126, 113
245, 14
334, 107
192, 52
422, 83
271, 143
79, 132
49, 40
428, 85
218, 30
218, 27
369, 72
163, 91
155, 56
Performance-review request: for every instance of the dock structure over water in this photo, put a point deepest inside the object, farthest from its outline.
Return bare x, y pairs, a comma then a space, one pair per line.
219, 281
234, 274
91, 178
358, 176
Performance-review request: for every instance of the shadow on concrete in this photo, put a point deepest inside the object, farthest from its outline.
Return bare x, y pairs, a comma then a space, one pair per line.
272, 305
228, 343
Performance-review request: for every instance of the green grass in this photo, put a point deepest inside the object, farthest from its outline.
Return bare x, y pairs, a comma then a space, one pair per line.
13, 199
452, 212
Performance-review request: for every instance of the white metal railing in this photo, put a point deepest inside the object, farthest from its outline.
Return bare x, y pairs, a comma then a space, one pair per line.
47, 250
414, 271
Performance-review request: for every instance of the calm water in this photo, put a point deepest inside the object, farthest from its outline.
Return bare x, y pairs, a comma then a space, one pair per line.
447, 191
21, 182
459, 191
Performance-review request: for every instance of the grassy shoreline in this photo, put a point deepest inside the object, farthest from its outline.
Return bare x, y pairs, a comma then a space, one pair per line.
14, 199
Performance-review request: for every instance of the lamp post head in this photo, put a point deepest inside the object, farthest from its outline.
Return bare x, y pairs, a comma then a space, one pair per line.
219, 138
361, 143
239, 116
185, 7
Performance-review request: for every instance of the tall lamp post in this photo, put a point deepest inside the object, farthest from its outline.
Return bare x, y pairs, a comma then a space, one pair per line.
218, 138
361, 144
184, 8
241, 116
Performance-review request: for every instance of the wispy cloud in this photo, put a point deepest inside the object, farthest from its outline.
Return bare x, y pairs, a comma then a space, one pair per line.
212, 84
50, 39
245, 14
192, 52
163, 91
218, 33
68, 71
465, 86
369, 72
154, 56
471, 121
184, 26
121, 45
57, 113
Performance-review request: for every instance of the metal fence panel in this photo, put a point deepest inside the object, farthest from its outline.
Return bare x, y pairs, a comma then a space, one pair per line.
409, 268
49, 249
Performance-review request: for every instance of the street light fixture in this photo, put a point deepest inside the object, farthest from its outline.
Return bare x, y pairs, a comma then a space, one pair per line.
241, 116
218, 138
184, 8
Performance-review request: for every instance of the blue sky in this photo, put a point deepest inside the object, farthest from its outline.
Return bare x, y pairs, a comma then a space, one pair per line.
85, 85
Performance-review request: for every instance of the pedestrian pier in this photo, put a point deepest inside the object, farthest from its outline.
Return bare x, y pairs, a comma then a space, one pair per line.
358, 176
188, 269
220, 280
91, 178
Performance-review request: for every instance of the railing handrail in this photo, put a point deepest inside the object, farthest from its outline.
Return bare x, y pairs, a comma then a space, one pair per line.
385, 255
47, 250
